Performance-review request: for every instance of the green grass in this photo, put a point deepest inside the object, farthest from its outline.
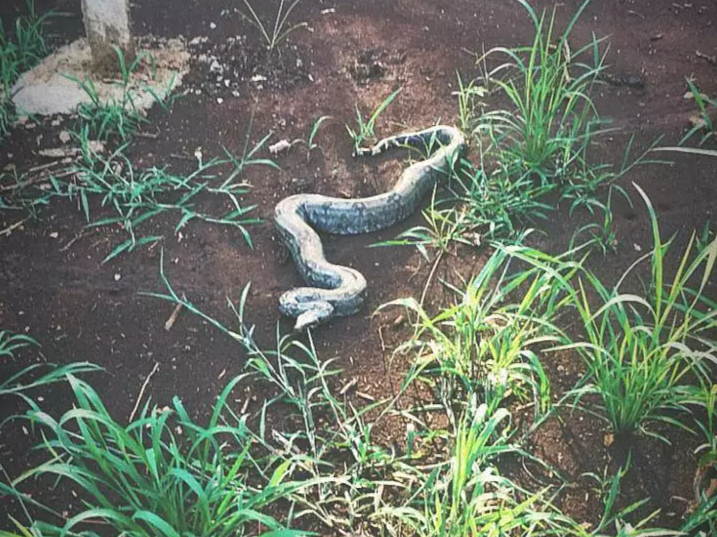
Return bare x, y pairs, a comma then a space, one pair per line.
707, 451
443, 228
537, 147
365, 127
113, 194
548, 85
641, 350
489, 342
119, 118
21, 47
31, 377
137, 196
274, 34
465, 495
163, 474
707, 118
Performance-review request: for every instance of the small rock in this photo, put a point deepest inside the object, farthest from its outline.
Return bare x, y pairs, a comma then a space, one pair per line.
220, 100
212, 26
279, 147
65, 137
54, 235
632, 80
118, 277
215, 66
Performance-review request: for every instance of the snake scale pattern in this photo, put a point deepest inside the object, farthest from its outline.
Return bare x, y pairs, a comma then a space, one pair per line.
337, 290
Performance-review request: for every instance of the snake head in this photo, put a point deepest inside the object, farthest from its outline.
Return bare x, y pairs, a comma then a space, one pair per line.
317, 313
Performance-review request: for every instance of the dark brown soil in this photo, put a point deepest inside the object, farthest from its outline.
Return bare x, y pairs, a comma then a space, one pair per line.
355, 54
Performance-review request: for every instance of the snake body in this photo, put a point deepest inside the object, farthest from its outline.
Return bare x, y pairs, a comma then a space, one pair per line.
337, 290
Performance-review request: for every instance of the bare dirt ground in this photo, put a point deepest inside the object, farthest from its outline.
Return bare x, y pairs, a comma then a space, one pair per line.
80, 309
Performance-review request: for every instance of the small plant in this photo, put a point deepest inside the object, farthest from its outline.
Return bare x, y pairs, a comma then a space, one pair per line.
708, 450
465, 495
469, 103
443, 227
603, 236
365, 127
488, 342
497, 205
136, 195
640, 350
707, 115
273, 36
10, 342
163, 473
609, 490
18, 384
311, 145
21, 48
552, 105
118, 118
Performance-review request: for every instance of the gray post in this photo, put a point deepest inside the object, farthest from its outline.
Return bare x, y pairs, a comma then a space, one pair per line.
107, 24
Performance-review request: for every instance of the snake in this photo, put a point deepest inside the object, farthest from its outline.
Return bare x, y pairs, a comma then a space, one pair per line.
339, 291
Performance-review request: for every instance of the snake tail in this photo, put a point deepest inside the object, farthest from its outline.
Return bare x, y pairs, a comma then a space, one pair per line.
335, 290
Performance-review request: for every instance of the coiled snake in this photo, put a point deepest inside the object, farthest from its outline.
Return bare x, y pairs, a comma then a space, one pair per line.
338, 290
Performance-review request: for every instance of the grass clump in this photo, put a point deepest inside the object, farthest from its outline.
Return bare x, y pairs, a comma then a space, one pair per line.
487, 343
643, 351
365, 127
119, 118
162, 474
138, 196
465, 495
552, 104
21, 47
281, 29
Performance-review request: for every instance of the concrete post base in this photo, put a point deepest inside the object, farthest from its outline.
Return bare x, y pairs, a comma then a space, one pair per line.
107, 24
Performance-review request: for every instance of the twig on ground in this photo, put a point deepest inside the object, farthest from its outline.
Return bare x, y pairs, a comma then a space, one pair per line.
141, 391
75, 239
380, 337
14, 226
430, 277
710, 59
175, 313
